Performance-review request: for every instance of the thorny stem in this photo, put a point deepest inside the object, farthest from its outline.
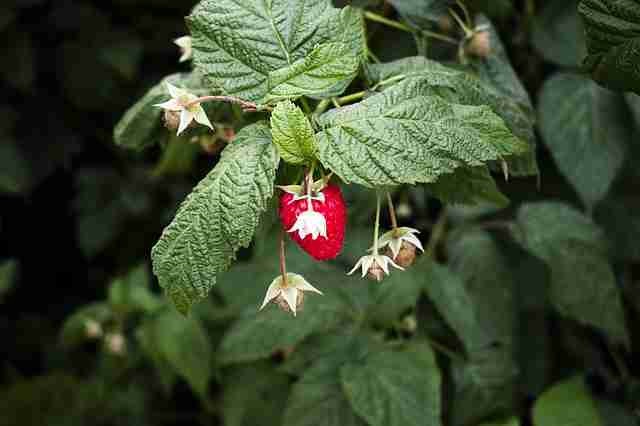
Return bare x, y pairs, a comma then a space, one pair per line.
245, 105
392, 212
376, 227
283, 263
402, 27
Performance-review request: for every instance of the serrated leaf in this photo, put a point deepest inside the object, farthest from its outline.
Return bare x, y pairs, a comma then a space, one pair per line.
469, 89
217, 218
131, 292
568, 242
558, 33
318, 400
468, 185
586, 129
292, 134
496, 69
567, 403
265, 50
407, 134
184, 345
386, 395
613, 42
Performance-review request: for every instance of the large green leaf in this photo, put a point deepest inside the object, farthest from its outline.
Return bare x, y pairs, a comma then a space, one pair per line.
408, 134
558, 33
278, 49
567, 403
217, 218
181, 344
583, 286
468, 185
496, 70
613, 42
395, 388
586, 129
292, 133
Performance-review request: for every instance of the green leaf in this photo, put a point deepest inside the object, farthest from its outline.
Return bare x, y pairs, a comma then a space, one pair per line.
217, 218
254, 394
281, 48
586, 129
613, 42
567, 403
484, 383
496, 70
510, 422
292, 134
469, 89
142, 124
568, 242
183, 345
178, 157
407, 134
422, 13
8, 272
318, 400
395, 388
558, 34
468, 185
131, 292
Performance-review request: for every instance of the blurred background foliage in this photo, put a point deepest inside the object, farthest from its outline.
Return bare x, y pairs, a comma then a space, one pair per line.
517, 339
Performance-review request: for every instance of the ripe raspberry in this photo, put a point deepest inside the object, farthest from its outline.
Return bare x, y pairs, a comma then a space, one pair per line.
335, 213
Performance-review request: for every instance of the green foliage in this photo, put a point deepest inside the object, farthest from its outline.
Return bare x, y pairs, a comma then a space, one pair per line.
278, 49
220, 216
567, 403
590, 153
292, 134
558, 33
613, 45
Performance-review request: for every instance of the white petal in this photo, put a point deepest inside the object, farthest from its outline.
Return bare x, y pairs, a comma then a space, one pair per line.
175, 92
367, 262
357, 266
272, 292
305, 286
201, 117
410, 238
171, 105
290, 295
382, 263
185, 119
389, 260
395, 245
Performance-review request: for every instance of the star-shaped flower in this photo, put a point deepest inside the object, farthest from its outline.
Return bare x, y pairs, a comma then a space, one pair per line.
183, 102
289, 295
371, 262
184, 43
394, 239
310, 222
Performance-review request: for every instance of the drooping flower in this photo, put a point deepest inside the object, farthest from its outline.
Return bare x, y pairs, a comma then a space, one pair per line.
396, 237
183, 102
311, 223
288, 295
374, 263
184, 43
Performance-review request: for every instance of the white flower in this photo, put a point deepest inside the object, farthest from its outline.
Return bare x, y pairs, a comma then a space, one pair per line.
92, 329
394, 239
182, 101
116, 344
310, 222
372, 261
184, 43
288, 295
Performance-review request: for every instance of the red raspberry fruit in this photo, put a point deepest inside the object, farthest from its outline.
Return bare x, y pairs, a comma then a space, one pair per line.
335, 213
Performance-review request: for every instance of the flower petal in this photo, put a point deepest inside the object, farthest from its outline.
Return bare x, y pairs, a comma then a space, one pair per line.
186, 117
171, 105
290, 295
201, 117
176, 92
272, 292
410, 238
358, 263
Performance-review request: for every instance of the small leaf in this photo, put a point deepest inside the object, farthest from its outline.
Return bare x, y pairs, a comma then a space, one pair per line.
586, 129
568, 242
217, 218
613, 42
407, 134
131, 292
395, 388
184, 345
292, 134
270, 50
567, 403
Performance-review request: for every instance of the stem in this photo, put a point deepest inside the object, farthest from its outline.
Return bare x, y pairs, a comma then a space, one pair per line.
283, 263
402, 27
467, 17
246, 105
468, 33
335, 102
444, 350
322, 106
392, 212
305, 105
437, 233
376, 227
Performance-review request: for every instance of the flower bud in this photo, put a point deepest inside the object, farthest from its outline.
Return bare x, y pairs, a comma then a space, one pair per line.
92, 329
403, 210
480, 44
115, 343
171, 119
